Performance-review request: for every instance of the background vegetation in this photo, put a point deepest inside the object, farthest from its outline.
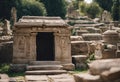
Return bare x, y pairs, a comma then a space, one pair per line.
59, 8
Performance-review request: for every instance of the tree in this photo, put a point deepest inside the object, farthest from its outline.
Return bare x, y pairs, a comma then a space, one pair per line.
55, 7
30, 7
105, 4
24, 7
5, 7
92, 10
116, 10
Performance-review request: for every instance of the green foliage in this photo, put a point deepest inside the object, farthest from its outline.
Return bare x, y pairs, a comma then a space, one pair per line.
116, 10
83, 6
55, 7
92, 10
4, 68
11, 74
30, 7
73, 32
105, 4
91, 58
24, 7
80, 71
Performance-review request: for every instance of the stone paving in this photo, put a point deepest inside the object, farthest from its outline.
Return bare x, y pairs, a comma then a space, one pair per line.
4, 78
50, 78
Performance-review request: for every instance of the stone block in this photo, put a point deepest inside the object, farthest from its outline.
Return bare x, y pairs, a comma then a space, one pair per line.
98, 66
79, 47
118, 80
6, 52
18, 67
111, 75
92, 36
76, 38
4, 78
86, 77
61, 78
108, 53
80, 61
36, 78
68, 66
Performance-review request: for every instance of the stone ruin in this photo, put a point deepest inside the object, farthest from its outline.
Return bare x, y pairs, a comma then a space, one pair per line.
39, 38
106, 16
101, 71
100, 39
6, 28
6, 42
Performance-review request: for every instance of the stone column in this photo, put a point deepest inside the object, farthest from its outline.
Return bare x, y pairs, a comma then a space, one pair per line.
57, 47
62, 48
33, 47
19, 48
65, 48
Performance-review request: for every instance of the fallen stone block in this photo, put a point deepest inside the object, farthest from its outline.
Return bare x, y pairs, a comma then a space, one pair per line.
4, 78
80, 61
86, 77
111, 75
98, 66
36, 78
61, 78
79, 47
76, 38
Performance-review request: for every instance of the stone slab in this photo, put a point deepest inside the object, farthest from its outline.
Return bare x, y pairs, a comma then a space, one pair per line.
111, 75
99, 66
44, 63
17, 79
86, 77
4, 78
45, 72
44, 67
61, 78
36, 78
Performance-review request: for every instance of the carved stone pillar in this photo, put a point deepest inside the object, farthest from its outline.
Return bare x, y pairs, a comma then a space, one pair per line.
33, 46
65, 48
19, 49
62, 48
57, 47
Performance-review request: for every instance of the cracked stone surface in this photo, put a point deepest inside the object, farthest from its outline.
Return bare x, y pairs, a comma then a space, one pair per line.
50, 78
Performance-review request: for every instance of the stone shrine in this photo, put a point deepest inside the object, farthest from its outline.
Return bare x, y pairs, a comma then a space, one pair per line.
38, 38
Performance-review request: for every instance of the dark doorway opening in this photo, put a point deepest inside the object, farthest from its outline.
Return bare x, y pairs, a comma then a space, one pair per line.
45, 46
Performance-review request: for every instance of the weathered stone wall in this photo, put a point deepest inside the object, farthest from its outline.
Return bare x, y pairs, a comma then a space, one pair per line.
76, 38
92, 36
6, 52
79, 48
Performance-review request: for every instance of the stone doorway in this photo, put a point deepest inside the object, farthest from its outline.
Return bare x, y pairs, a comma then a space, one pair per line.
45, 48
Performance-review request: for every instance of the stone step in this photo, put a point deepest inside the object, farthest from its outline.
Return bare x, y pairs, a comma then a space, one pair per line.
45, 63
50, 78
45, 72
86, 77
44, 67
36, 78
61, 78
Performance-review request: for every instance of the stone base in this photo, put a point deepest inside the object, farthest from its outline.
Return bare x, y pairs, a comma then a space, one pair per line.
98, 66
108, 54
80, 61
18, 67
111, 75
86, 77
68, 66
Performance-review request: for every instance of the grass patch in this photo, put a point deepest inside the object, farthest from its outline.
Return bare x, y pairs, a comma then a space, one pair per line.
11, 74
79, 70
5, 69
